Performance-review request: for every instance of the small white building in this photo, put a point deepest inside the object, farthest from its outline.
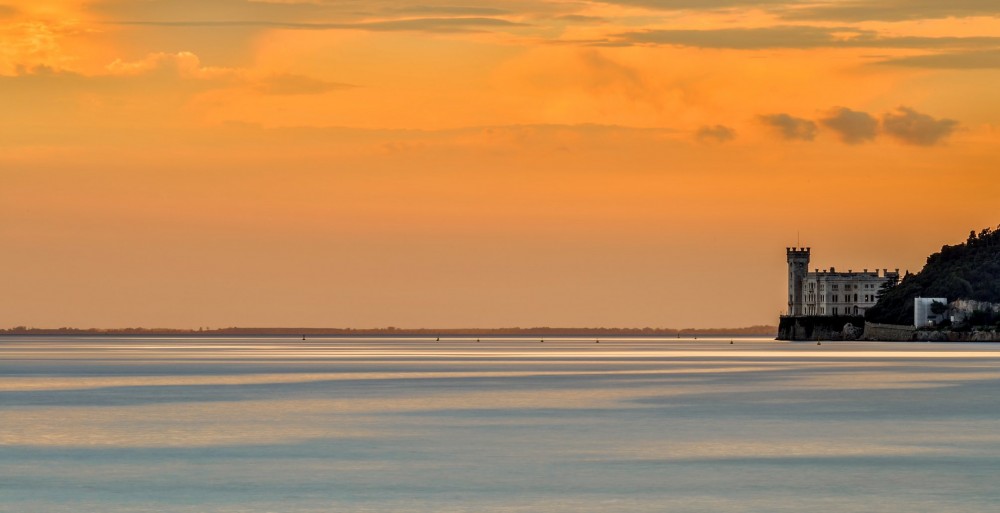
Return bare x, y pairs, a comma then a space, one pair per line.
829, 292
923, 311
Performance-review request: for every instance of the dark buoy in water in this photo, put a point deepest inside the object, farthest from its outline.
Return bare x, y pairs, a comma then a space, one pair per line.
437, 339
730, 341
819, 343
542, 340
477, 340
303, 337
598, 341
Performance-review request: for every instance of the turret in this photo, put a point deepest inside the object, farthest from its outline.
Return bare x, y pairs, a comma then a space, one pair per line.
798, 267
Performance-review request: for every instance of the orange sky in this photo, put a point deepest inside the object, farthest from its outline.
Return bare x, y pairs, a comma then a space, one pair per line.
419, 163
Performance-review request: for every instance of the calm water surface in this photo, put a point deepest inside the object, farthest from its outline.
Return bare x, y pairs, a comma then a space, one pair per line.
413, 425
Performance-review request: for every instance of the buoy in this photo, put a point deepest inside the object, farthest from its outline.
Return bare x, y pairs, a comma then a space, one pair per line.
730, 341
543, 341
477, 340
437, 339
303, 337
597, 341
819, 343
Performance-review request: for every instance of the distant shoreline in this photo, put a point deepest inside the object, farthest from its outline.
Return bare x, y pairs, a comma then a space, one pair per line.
768, 331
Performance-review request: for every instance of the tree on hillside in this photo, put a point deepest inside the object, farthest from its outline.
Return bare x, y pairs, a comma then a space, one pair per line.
963, 271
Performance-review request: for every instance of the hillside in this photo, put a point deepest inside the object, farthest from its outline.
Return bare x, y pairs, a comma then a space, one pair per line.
964, 271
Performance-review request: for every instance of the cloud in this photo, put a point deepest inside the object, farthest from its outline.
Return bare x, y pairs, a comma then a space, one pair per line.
715, 133
738, 38
182, 64
791, 128
987, 59
842, 10
796, 36
678, 5
893, 10
410, 24
451, 10
603, 75
289, 84
853, 127
7, 11
580, 19
912, 127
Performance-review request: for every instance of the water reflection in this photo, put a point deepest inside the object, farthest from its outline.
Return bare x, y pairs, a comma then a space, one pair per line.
255, 425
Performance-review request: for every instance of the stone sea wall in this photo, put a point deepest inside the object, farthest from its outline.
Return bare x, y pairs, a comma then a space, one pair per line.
889, 332
815, 327
896, 333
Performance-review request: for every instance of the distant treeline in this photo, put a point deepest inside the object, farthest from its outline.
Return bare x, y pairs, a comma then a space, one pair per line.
964, 271
427, 332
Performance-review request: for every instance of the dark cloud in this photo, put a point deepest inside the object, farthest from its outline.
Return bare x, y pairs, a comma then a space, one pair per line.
852, 126
213, 11
450, 10
797, 36
831, 10
317, 13
168, 74
413, 24
740, 38
715, 133
791, 128
437, 24
893, 10
987, 59
677, 5
912, 127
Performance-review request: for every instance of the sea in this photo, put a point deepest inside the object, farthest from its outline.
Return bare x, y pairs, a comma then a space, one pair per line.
255, 425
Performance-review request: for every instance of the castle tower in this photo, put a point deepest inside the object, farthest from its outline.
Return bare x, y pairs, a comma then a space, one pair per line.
798, 266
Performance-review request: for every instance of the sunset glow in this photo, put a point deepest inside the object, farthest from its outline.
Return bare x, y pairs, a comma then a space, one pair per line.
420, 163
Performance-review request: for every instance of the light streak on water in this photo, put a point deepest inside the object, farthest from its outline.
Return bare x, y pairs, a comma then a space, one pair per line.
267, 424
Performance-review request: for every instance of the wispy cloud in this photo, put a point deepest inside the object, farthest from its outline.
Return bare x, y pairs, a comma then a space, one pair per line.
450, 10
715, 134
796, 36
834, 10
674, 5
412, 24
892, 10
984, 59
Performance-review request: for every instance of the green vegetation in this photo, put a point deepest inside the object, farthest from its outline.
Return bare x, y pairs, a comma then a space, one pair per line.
964, 271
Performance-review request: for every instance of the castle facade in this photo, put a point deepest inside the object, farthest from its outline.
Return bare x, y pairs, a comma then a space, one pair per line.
831, 293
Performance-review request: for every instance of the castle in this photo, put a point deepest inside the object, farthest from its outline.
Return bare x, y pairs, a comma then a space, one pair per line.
831, 293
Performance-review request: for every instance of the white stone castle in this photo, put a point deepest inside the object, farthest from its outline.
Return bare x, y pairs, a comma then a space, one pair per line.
831, 293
